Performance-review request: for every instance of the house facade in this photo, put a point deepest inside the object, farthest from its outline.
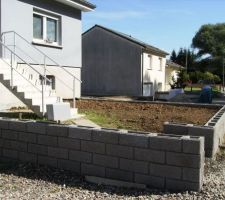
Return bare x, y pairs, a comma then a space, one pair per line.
171, 71
45, 36
118, 64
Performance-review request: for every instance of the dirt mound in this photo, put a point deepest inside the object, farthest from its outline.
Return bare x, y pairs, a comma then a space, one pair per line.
142, 116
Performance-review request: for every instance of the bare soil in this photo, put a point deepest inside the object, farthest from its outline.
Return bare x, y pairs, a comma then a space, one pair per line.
144, 116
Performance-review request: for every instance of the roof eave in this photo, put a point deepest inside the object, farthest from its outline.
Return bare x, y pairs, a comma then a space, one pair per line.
77, 5
160, 53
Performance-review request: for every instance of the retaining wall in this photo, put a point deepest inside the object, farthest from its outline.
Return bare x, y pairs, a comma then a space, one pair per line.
213, 131
160, 161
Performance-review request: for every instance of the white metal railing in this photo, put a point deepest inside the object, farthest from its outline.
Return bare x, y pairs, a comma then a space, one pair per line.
13, 56
44, 58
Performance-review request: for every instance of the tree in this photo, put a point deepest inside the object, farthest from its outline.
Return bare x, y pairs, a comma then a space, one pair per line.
181, 81
181, 56
173, 56
210, 39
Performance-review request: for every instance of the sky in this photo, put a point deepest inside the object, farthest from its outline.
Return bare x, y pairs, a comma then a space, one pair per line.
166, 24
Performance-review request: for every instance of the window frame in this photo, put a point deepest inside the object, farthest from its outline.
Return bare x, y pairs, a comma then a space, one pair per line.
44, 40
160, 64
150, 61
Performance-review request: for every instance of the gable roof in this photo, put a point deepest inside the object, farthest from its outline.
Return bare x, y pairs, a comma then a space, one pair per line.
146, 46
170, 63
79, 4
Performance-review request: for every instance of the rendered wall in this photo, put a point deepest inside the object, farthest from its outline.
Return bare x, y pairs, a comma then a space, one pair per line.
17, 15
154, 75
160, 161
111, 65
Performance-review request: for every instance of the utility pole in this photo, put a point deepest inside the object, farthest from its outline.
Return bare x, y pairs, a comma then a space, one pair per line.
186, 63
223, 73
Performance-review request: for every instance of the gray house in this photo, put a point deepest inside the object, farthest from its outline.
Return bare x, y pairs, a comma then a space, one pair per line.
118, 64
41, 48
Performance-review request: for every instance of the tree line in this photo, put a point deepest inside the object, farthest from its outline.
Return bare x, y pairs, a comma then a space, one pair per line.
206, 56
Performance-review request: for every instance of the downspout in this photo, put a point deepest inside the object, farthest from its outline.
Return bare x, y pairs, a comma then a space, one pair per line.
142, 70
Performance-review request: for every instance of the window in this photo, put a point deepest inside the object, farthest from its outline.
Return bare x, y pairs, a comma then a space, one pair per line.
46, 28
160, 64
150, 61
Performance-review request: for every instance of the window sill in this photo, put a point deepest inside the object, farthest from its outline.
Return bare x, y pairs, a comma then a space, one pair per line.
47, 45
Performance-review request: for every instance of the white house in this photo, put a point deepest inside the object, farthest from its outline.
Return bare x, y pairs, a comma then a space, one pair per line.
40, 51
171, 71
118, 64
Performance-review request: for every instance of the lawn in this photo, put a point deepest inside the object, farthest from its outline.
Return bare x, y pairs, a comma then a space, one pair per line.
141, 116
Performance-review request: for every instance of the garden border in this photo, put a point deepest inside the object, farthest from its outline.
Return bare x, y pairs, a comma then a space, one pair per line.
213, 131
161, 161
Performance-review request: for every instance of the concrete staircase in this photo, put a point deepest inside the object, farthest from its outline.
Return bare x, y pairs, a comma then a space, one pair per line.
26, 86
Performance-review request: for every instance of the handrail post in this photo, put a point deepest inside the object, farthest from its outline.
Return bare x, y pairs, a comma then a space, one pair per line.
74, 100
45, 72
4, 47
43, 98
14, 50
11, 64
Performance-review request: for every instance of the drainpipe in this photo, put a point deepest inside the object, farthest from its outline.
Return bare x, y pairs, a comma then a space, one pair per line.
142, 71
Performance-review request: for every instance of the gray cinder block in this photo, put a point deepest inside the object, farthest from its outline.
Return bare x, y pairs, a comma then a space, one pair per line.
106, 161
57, 130
28, 157
34, 127
152, 181
166, 171
46, 160
106, 136
10, 154
80, 133
15, 145
178, 185
80, 156
28, 137
47, 140
92, 170
135, 140
4, 124
38, 149
18, 125
119, 151
58, 152
69, 143
194, 146
150, 155
119, 174
176, 129
9, 134
95, 147
134, 166
193, 175
166, 143
69, 165
183, 160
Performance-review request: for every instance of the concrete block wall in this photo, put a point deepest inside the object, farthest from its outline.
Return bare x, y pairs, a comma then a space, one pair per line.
213, 131
160, 161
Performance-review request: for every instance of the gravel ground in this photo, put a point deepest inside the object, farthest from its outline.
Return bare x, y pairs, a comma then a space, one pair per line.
29, 182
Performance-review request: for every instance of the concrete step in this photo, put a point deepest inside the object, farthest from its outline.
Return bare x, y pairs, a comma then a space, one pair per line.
47, 100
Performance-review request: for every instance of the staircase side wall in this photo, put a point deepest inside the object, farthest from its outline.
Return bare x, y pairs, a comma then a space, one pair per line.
8, 100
